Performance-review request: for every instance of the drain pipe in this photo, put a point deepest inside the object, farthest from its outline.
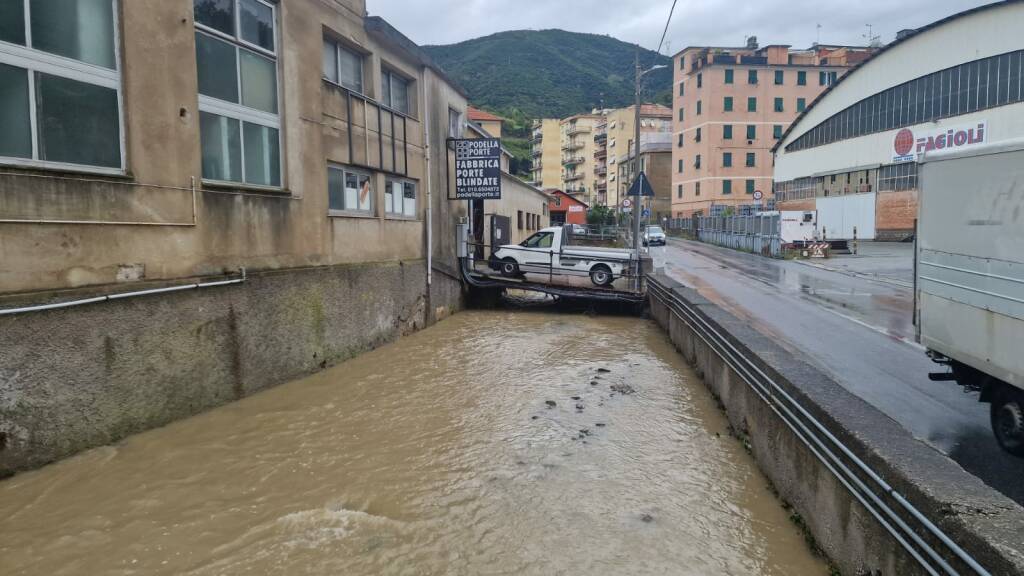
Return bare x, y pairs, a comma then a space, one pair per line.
121, 296
430, 199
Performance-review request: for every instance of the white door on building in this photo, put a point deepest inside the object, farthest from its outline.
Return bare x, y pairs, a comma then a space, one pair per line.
839, 215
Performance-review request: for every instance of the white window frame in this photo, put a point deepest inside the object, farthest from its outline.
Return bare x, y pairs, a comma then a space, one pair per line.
33, 60
386, 74
338, 47
390, 214
460, 123
239, 111
352, 212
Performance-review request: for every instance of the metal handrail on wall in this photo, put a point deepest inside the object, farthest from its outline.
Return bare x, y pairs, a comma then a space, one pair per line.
122, 296
823, 444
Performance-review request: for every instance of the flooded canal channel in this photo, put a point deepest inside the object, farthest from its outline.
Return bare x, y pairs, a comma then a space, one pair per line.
492, 443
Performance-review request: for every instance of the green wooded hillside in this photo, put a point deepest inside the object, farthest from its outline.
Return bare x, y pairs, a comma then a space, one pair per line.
526, 74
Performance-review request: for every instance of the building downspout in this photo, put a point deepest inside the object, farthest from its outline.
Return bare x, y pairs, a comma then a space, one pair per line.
430, 192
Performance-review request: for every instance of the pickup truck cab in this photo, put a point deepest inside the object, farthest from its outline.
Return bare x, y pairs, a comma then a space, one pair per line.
550, 251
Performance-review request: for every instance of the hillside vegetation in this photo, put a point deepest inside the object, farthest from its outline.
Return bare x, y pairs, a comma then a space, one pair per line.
525, 74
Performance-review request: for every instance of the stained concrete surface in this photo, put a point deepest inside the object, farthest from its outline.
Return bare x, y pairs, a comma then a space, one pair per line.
858, 330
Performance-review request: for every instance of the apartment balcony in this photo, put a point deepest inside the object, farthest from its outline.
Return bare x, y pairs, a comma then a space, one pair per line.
578, 129
536, 152
601, 152
575, 176
536, 137
572, 160
600, 170
601, 136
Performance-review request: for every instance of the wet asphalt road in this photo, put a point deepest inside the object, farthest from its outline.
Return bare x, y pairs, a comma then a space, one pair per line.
857, 328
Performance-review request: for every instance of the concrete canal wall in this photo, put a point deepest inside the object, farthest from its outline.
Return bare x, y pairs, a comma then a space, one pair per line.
76, 378
983, 522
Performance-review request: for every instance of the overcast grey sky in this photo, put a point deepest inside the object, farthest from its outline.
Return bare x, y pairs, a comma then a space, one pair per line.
696, 22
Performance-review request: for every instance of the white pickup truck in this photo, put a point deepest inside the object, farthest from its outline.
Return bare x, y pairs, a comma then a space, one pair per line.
549, 251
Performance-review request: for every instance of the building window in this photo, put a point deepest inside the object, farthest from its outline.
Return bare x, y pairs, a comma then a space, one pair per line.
696, 189
343, 66
400, 198
727, 159
682, 89
751, 159
696, 162
750, 186
455, 123
823, 78
700, 80
60, 112
779, 107
727, 103
682, 138
238, 110
751, 76
349, 191
680, 115
752, 104
679, 191
727, 131
777, 131
681, 166
395, 93
897, 177
728, 75
698, 107
519, 219
726, 187
801, 78
751, 131
801, 104
780, 77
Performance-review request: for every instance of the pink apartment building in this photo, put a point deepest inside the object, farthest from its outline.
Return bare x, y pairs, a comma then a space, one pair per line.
731, 105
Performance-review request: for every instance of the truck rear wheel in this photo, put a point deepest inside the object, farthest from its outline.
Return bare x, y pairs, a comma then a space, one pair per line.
1008, 421
601, 275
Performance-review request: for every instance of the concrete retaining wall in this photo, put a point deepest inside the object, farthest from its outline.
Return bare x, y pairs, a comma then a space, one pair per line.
985, 523
81, 377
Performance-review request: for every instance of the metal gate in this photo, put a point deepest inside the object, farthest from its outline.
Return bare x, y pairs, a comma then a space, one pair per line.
501, 231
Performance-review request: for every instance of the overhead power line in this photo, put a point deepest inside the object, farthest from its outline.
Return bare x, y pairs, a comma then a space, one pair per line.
665, 32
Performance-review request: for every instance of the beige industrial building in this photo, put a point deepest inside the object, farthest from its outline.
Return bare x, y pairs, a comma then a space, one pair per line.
731, 105
159, 144
613, 141
546, 153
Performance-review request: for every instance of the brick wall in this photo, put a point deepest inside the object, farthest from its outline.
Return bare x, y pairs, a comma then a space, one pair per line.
805, 204
895, 213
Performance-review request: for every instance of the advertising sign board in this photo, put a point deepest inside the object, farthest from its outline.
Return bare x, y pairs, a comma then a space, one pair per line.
478, 169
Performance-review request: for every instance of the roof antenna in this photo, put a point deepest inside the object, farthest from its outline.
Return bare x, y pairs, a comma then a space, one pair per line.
873, 41
818, 41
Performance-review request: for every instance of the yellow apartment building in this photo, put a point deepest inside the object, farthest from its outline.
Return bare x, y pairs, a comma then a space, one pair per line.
613, 140
577, 138
545, 152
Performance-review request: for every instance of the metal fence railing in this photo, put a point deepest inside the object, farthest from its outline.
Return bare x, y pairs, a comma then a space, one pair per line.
760, 234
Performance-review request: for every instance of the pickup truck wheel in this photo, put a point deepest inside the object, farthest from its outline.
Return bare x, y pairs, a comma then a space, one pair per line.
601, 275
1008, 422
509, 267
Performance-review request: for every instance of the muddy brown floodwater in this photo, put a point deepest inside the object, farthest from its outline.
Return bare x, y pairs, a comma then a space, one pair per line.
437, 454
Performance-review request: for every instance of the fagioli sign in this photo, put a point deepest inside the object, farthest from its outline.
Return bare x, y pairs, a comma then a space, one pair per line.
908, 144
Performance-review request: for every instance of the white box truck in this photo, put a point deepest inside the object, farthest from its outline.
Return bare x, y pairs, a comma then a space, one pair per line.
969, 273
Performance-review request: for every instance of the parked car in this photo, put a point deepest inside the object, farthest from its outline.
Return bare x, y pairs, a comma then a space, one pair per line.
654, 236
550, 251
578, 229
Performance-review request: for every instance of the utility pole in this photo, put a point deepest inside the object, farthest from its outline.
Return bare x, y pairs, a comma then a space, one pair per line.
636, 164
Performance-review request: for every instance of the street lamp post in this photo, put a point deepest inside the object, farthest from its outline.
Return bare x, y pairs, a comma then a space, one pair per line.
637, 204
